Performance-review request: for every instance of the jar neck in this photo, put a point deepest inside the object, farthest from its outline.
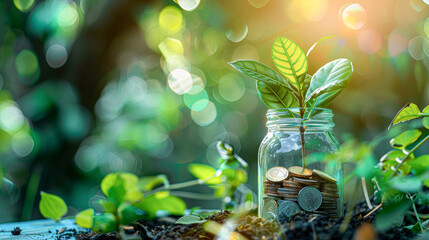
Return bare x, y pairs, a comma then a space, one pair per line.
289, 119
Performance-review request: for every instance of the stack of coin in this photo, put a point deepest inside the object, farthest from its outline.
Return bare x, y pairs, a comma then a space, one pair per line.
315, 187
329, 189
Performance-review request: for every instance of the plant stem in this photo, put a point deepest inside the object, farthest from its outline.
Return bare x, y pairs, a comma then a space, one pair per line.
180, 185
301, 132
416, 213
192, 195
408, 154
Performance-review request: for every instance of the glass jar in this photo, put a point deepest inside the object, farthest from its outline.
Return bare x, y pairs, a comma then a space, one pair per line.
290, 178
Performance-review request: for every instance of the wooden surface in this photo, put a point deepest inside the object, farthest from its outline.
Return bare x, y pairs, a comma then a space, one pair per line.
40, 229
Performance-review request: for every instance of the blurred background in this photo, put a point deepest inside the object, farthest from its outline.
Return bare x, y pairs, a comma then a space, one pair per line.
89, 87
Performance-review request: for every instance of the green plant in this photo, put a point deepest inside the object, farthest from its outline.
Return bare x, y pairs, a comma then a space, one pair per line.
129, 198
52, 206
294, 88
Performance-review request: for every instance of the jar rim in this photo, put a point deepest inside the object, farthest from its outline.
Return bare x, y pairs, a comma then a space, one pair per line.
290, 117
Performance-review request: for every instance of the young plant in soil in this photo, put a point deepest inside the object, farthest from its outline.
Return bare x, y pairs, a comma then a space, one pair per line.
294, 87
401, 179
128, 198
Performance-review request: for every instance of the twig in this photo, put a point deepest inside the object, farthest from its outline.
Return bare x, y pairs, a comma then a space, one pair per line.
372, 211
365, 192
314, 231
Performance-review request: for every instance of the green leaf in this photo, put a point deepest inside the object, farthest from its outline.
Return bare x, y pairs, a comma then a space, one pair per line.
52, 206
420, 164
106, 205
366, 168
392, 213
104, 223
190, 219
260, 72
130, 180
162, 201
203, 172
328, 82
422, 199
318, 42
149, 183
415, 228
117, 192
290, 60
425, 120
406, 138
406, 184
125, 189
128, 213
408, 112
85, 218
275, 96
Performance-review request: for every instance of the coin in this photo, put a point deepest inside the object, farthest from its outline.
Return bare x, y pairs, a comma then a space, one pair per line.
270, 205
288, 195
271, 188
292, 184
331, 185
328, 189
271, 196
309, 198
287, 208
269, 216
300, 171
288, 190
306, 181
324, 176
333, 195
277, 174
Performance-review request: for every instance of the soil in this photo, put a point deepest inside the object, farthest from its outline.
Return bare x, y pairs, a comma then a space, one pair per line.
301, 226
16, 231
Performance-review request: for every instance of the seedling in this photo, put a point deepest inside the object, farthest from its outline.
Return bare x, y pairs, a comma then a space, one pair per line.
129, 198
294, 87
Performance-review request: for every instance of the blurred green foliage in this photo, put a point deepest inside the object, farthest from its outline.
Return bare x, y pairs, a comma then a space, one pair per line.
90, 87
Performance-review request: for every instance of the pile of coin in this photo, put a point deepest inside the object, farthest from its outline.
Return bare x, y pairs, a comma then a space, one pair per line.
299, 188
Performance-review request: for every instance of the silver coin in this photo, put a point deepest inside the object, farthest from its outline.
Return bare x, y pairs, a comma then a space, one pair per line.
309, 198
270, 205
269, 216
287, 208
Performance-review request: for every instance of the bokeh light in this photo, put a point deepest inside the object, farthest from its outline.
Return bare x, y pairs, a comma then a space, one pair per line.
170, 20
188, 5
180, 81
369, 41
231, 87
56, 55
26, 63
22, 144
415, 48
353, 15
237, 31
396, 44
426, 46
205, 116
258, 3
23, 5
306, 10
196, 100
245, 51
11, 118
67, 16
